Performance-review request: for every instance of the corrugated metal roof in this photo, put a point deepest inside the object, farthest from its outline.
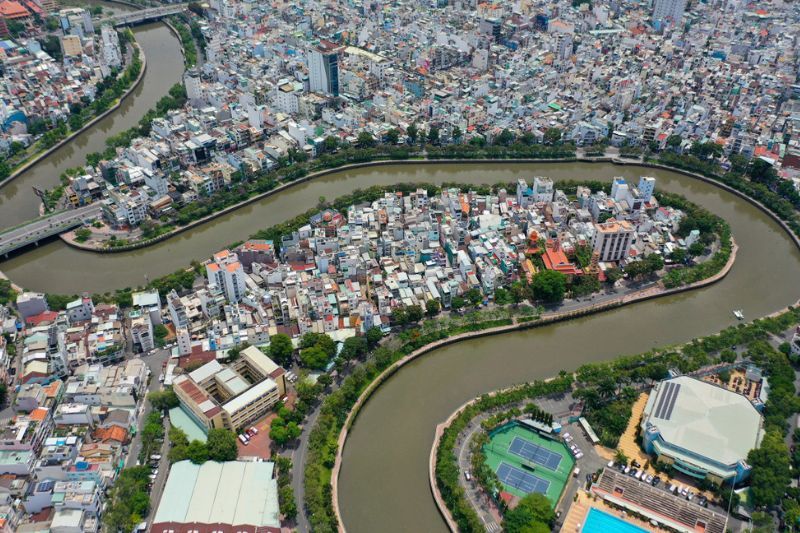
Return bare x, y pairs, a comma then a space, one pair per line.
233, 492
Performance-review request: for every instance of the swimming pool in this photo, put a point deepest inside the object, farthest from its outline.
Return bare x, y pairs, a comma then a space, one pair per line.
598, 521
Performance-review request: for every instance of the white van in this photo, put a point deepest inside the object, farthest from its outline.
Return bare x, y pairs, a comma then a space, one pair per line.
244, 440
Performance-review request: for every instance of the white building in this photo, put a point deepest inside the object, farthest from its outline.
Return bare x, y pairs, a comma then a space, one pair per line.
613, 239
142, 332
647, 186
226, 273
194, 87
323, 69
111, 54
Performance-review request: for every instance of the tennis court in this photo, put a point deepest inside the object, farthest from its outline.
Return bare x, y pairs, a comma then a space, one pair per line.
521, 480
527, 462
533, 452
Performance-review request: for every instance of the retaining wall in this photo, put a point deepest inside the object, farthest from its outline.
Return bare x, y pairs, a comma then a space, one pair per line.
639, 296
71, 137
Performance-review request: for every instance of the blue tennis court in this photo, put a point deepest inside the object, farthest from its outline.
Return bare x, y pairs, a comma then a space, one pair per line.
527, 483
537, 454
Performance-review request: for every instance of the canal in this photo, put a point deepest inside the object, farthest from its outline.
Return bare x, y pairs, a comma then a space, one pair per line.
384, 483
164, 68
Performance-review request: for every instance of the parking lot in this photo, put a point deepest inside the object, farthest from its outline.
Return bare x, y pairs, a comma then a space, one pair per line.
259, 444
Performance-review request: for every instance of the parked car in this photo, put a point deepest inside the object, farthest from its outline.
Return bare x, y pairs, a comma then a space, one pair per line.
244, 439
656, 481
649, 478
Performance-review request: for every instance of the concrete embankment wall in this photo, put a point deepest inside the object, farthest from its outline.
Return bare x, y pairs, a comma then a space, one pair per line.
63, 142
344, 168
639, 296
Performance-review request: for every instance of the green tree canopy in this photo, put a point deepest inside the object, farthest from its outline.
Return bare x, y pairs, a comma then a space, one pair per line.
221, 445
531, 514
549, 286
164, 399
374, 335
280, 349
314, 357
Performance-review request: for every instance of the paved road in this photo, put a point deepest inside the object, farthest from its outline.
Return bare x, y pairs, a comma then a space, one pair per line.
298, 456
154, 363
43, 227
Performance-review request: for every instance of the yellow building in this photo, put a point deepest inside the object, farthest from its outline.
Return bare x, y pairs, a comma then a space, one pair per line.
71, 45
232, 396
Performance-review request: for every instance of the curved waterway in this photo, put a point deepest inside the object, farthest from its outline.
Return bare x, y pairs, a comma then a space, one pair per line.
383, 483
164, 68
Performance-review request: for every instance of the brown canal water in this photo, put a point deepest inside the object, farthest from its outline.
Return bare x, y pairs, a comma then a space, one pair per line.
384, 484
164, 68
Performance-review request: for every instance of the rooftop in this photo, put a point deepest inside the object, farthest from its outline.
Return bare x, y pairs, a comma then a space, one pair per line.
234, 492
704, 419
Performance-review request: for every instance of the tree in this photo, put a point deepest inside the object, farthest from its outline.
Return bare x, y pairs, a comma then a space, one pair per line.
432, 307
473, 296
374, 336
280, 349
354, 348
197, 452
433, 135
414, 313
325, 380
678, 255
533, 509
613, 275
399, 316
412, 131
527, 138
314, 357
52, 47
365, 140
549, 286
82, 234
696, 248
286, 502
456, 134
506, 138
458, 303
320, 340
552, 136
763, 172
771, 470
163, 400
674, 141
706, 150
221, 444
307, 391
392, 136
330, 144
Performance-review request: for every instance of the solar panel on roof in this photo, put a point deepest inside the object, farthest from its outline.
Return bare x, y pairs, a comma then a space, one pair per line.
661, 399
666, 401
672, 401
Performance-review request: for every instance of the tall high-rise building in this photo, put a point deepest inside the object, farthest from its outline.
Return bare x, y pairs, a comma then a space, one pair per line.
194, 86
225, 272
323, 68
612, 240
668, 11
646, 187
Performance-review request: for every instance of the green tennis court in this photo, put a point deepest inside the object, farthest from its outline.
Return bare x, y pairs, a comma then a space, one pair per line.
528, 462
